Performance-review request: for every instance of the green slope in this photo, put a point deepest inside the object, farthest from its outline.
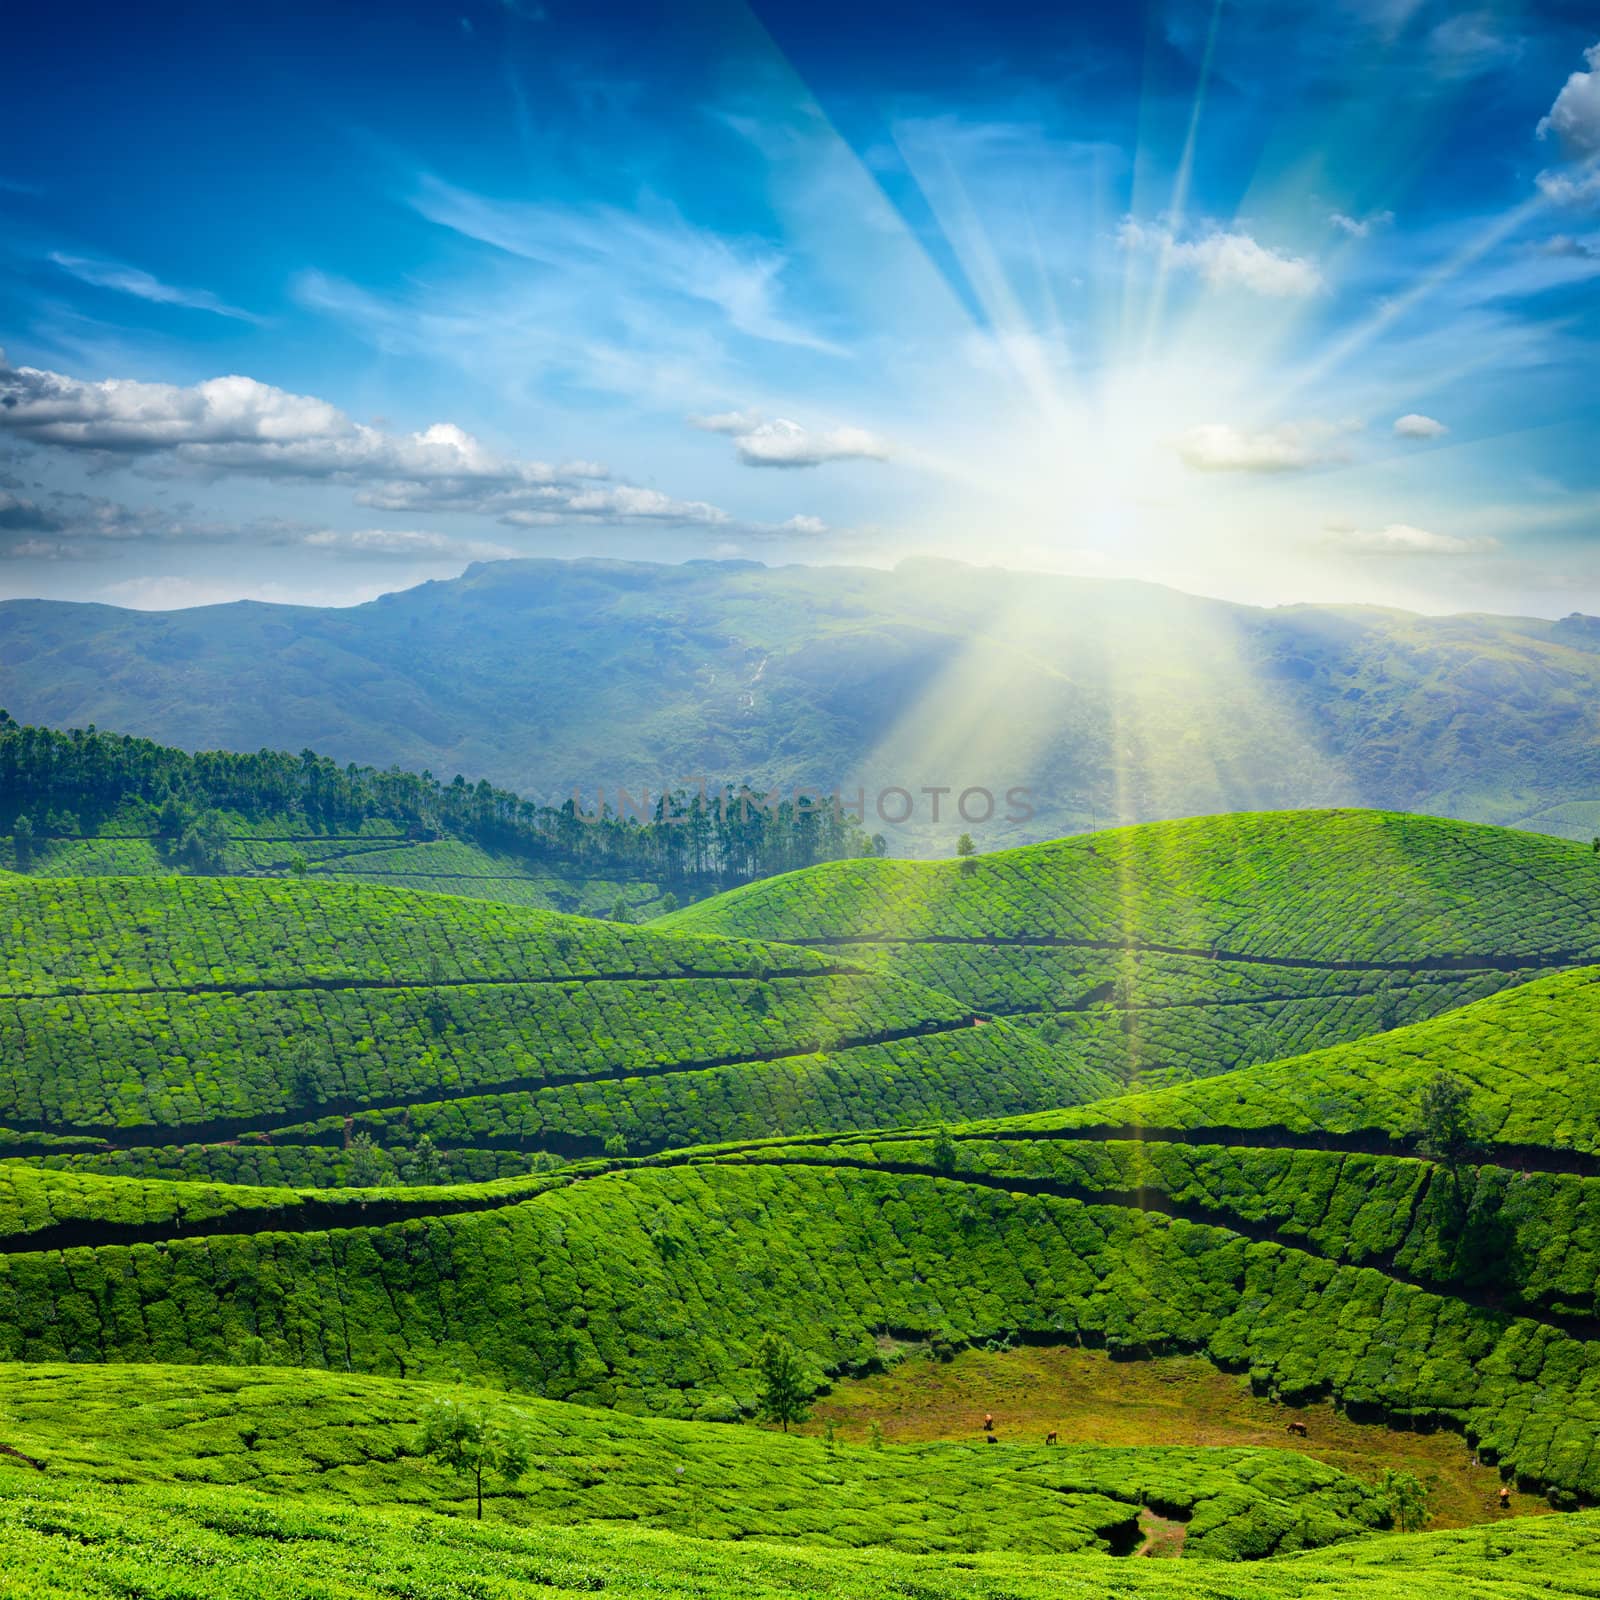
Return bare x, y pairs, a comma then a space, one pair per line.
1184, 949
159, 1012
648, 1288
66, 1540
1529, 1056
353, 1439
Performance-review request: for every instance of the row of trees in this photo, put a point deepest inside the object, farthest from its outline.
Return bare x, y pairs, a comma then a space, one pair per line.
67, 785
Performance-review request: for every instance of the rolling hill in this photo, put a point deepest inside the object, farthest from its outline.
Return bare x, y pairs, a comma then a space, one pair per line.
1122, 701
1184, 949
141, 1014
286, 1159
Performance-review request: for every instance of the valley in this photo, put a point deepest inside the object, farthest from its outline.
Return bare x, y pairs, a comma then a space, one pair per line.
1125, 1136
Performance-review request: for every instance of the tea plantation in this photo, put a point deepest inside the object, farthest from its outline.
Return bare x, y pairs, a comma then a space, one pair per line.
286, 1164
163, 1011
1177, 950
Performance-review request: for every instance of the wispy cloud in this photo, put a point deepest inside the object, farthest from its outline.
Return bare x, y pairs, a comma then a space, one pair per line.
143, 286
389, 543
653, 249
1284, 447
1401, 539
1360, 227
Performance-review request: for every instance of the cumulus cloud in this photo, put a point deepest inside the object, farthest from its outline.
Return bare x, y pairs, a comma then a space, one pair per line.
1285, 447
236, 425
778, 442
82, 517
781, 443
1360, 227
1227, 260
1413, 425
142, 286
1574, 122
1574, 119
1401, 539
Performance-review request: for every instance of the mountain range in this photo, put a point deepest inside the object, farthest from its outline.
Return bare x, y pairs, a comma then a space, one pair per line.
1104, 701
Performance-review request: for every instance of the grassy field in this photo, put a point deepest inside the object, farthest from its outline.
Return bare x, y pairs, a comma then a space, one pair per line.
1087, 1398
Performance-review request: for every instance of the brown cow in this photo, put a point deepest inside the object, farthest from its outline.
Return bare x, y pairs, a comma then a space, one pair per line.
1297, 1428
1050, 1438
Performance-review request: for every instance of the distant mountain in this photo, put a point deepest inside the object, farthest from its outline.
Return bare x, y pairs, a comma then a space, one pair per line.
1106, 701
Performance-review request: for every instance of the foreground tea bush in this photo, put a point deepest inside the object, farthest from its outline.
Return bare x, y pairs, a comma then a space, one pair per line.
73, 1540
1530, 1058
358, 1440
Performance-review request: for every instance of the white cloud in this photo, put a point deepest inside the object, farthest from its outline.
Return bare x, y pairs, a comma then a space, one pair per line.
1574, 186
412, 542
1575, 117
1401, 539
1413, 425
813, 526
1285, 447
142, 286
1227, 260
1574, 120
235, 425
778, 442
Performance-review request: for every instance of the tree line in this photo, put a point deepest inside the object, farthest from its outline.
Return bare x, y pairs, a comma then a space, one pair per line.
83, 783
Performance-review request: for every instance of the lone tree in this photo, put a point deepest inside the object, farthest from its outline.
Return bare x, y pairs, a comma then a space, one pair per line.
943, 1151
1407, 1500
965, 846
783, 1387
476, 1442
1448, 1126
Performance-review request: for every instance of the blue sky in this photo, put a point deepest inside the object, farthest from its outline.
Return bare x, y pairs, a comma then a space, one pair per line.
307, 303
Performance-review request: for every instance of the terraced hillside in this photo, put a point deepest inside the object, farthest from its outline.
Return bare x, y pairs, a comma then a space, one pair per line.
1401, 1289
140, 1015
355, 1440
1527, 1057
1184, 949
70, 1540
